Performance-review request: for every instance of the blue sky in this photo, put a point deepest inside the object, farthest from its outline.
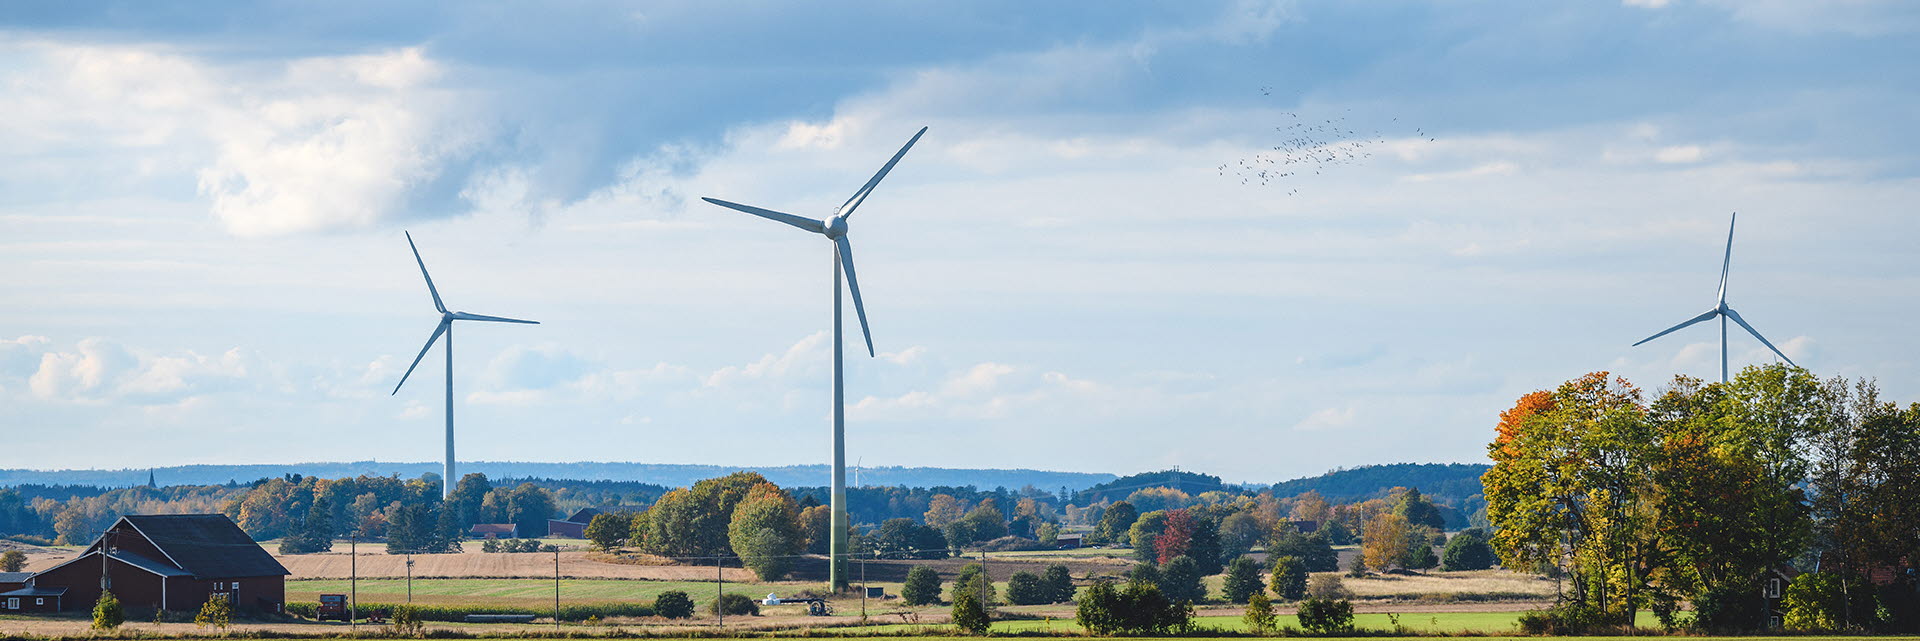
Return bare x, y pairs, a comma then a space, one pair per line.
201, 214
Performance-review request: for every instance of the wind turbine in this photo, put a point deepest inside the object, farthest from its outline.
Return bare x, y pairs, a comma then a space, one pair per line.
835, 229
1721, 309
445, 327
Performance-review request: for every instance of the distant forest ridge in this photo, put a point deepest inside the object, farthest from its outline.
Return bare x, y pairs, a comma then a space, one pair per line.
669, 475
1448, 483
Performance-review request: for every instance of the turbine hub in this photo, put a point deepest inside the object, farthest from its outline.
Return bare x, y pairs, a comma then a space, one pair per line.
836, 227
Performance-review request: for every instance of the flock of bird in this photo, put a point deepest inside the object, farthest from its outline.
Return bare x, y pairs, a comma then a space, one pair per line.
1308, 147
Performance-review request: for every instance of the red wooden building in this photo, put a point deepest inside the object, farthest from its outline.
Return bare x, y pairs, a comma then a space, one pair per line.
173, 562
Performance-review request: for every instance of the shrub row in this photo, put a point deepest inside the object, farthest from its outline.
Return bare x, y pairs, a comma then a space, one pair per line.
579, 612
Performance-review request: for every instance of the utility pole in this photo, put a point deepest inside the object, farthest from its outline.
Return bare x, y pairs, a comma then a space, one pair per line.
863, 589
719, 594
409, 578
353, 574
556, 587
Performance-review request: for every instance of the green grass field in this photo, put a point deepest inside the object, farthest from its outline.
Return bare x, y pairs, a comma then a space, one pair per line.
532, 593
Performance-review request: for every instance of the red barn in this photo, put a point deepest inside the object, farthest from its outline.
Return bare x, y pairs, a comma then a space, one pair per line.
172, 562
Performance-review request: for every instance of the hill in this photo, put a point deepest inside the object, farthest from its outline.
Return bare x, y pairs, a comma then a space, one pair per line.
1449, 483
669, 475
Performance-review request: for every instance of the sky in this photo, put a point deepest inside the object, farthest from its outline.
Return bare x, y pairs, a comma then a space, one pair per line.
202, 207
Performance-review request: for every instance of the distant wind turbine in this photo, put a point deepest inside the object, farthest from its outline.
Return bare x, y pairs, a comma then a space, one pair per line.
835, 229
1721, 309
445, 327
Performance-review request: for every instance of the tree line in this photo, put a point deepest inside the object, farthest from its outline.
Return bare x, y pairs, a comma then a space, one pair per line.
1707, 493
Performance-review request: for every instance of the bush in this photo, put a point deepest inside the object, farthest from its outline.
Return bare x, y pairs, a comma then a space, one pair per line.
12, 561
673, 604
1059, 584
1181, 580
923, 586
1147, 573
1817, 602
1326, 616
971, 616
1357, 568
405, 621
1729, 609
1013, 544
1419, 555
1139, 609
971, 578
1313, 550
1259, 617
1327, 586
737, 605
1242, 581
1467, 550
1289, 578
107, 613
1025, 588
216, 612
1564, 620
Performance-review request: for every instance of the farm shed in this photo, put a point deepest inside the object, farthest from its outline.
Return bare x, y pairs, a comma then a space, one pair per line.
173, 562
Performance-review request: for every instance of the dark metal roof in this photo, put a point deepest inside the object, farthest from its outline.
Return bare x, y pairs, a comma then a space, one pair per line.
209, 546
144, 563
15, 577
35, 591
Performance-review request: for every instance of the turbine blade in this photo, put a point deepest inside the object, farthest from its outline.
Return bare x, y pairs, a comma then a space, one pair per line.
853, 285
1727, 262
437, 331
1756, 334
1710, 314
802, 222
423, 272
846, 208
494, 319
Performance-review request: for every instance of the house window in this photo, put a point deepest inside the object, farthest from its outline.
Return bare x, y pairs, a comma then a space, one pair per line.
236, 586
1773, 588
39, 601
13, 603
219, 585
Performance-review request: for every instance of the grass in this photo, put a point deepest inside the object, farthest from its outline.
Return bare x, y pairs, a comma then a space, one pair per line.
520, 592
1445, 622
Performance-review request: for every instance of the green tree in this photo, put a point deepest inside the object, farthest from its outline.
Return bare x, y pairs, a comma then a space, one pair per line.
972, 577
765, 531
922, 587
1242, 580
904, 538
1259, 617
1025, 588
1312, 549
1418, 510
1289, 578
1322, 616
107, 614
467, 498
673, 604
1059, 582
1181, 580
1115, 524
816, 522
1467, 550
1240, 532
529, 507
609, 530
12, 561
970, 616
1144, 534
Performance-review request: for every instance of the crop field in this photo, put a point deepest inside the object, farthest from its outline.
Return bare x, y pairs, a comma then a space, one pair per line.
529, 593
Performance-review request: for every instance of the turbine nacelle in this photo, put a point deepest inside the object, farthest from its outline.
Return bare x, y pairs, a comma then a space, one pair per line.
1724, 312
836, 227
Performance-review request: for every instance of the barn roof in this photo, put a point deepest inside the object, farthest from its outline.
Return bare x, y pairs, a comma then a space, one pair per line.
35, 591
206, 545
15, 577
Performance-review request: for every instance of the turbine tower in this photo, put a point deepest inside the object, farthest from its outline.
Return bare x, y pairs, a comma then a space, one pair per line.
835, 229
445, 327
1721, 309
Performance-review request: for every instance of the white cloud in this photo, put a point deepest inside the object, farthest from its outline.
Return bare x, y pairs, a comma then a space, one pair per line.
1331, 418
1646, 4
803, 358
1679, 154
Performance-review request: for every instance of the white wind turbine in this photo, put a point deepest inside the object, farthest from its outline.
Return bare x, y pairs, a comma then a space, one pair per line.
835, 229
1721, 309
445, 327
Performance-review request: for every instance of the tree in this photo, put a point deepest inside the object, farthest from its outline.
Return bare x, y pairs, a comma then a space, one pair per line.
1138, 609
1467, 550
673, 604
943, 509
765, 531
1176, 536
970, 616
1418, 510
1385, 541
107, 614
1181, 580
609, 530
922, 587
1243, 579
816, 523
1312, 549
529, 507
1059, 584
1144, 535
1048, 533
905, 539
12, 561
1259, 616
1025, 588
1289, 578
973, 587
1419, 554
467, 498
1116, 523
1239, 533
